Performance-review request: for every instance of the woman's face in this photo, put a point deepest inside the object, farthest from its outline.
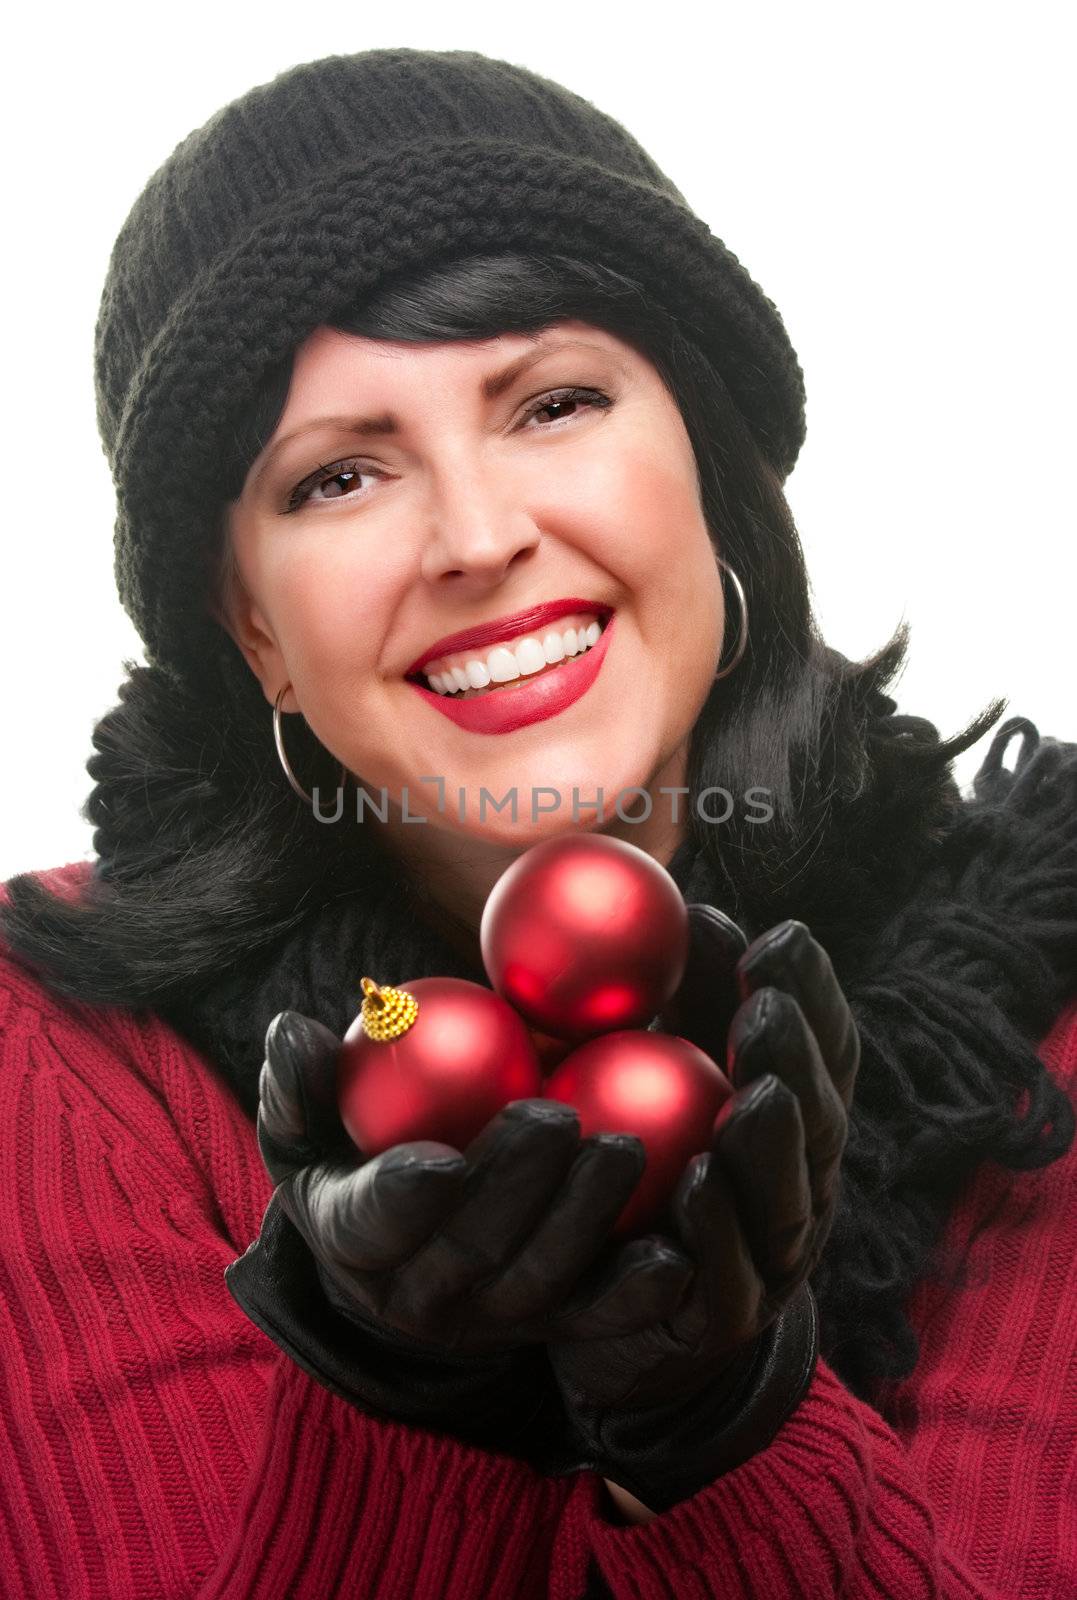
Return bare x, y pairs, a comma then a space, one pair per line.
471, 494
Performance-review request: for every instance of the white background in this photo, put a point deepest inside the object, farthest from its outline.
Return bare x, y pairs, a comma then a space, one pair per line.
899, 182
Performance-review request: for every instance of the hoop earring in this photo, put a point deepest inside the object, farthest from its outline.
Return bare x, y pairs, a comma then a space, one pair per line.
279, 741
742, 632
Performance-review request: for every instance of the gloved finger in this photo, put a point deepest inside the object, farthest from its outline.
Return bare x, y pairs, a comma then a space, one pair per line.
770, 1035
729, 1292
572, 1233
298, 1120
707, 995
364, 1219
515, 1167
760, 1142
788, 958
641, 1285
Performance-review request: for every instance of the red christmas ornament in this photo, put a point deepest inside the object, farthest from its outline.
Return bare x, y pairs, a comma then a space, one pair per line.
655, 1085
433, 1059
585, 935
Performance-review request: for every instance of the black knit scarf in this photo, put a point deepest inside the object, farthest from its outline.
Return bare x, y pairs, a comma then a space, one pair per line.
951, 997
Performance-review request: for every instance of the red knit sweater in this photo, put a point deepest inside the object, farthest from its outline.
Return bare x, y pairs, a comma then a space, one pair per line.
155, 1443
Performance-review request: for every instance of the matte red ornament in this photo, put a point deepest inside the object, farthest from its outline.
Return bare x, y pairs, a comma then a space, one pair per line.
584, 935
655, 1085
454, 1057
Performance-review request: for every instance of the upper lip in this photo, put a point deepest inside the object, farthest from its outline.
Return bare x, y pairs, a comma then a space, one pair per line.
506, 627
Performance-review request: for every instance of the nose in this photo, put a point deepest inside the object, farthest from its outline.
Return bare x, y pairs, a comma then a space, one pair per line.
475, 533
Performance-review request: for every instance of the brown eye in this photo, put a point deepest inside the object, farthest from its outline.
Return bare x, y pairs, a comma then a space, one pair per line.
558, 399
341, 471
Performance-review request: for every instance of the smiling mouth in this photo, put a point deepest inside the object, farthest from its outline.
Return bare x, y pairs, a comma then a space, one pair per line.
519, 682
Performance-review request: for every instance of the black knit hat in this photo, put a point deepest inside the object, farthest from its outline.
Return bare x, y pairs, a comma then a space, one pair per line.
298, 199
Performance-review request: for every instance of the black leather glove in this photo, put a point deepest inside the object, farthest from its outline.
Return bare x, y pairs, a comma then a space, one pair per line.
666, 1410
421, 1285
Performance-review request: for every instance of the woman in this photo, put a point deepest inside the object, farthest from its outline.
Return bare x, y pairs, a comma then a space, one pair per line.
240, 1358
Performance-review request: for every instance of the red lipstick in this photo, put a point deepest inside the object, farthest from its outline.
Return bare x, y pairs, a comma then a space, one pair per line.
526, 699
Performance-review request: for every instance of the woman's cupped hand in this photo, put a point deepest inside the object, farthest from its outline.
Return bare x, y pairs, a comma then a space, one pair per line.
750, 1216
501, 1245
507, 1243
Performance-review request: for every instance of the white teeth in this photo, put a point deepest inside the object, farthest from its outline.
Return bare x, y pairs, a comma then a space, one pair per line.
553, 647
526, 656
502, 664
530, 655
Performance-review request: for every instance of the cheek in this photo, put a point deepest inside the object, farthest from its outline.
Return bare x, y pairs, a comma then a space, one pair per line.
646, 503
328, 603
673, 565
655, 538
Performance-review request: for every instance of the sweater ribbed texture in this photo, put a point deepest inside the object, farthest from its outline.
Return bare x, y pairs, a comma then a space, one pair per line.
156, 1444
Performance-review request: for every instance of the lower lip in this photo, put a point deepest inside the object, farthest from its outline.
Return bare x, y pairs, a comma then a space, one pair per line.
505, 710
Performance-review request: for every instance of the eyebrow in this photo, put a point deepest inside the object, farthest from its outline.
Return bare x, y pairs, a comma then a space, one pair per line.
387, 425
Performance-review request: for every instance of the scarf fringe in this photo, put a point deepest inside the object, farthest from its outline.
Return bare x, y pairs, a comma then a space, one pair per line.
963, 984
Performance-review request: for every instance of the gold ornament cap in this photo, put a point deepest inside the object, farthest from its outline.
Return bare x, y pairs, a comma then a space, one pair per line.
386, 1012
